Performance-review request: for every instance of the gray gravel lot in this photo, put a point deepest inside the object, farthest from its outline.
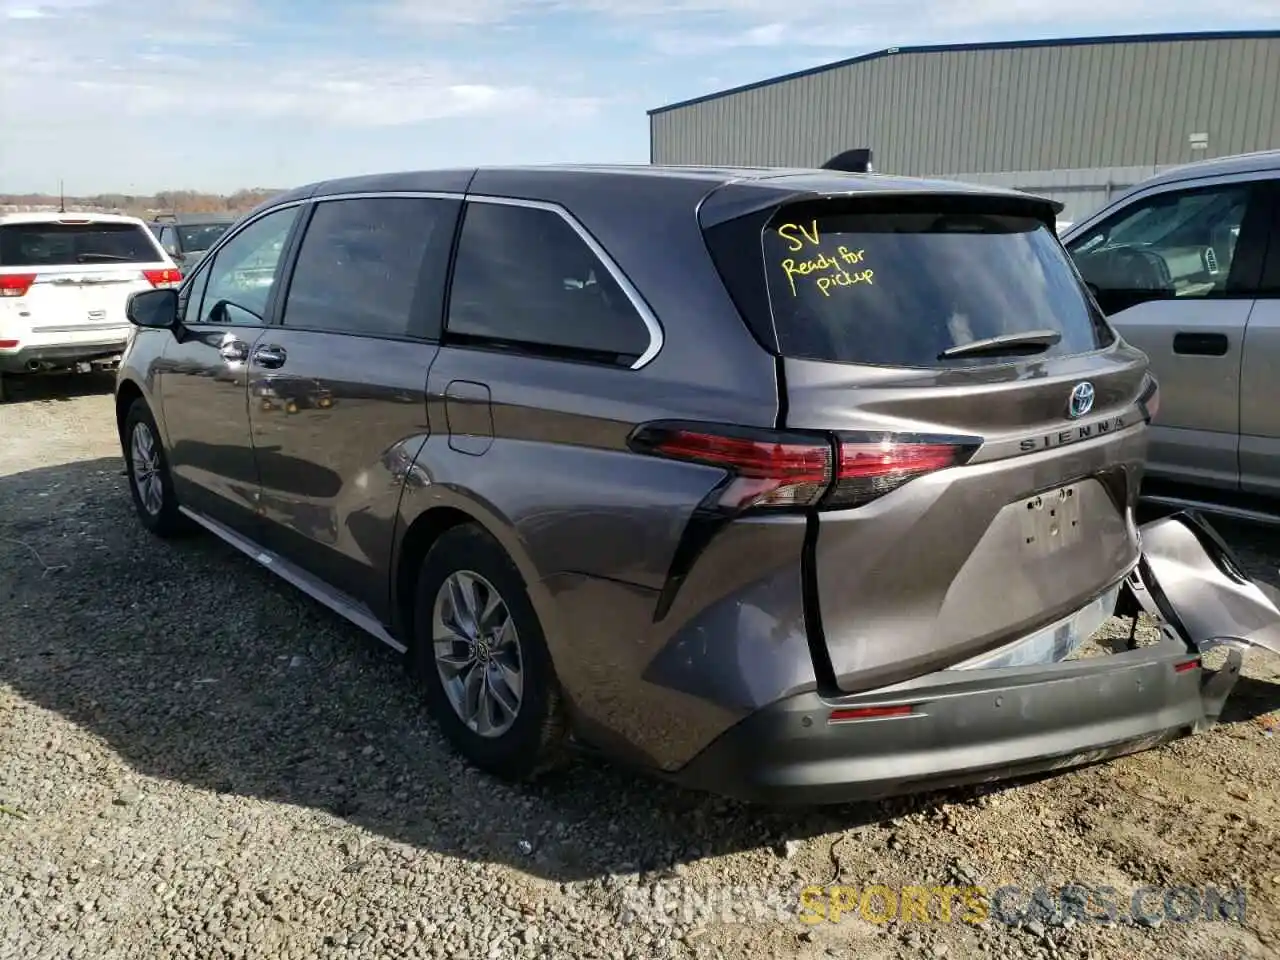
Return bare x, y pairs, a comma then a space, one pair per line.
197, 761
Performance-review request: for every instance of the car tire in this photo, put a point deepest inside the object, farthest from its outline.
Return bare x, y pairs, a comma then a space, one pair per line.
4, 389
517, 744
150, 483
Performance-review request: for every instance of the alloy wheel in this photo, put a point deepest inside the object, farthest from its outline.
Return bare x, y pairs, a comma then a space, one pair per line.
477, 653
145, 458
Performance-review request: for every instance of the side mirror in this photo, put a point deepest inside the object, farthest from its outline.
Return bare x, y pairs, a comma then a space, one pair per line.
154, 309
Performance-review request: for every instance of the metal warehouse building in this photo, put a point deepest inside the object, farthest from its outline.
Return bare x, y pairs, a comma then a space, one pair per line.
1076, 120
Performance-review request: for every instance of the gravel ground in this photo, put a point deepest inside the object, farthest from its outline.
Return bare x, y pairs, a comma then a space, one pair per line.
197, 761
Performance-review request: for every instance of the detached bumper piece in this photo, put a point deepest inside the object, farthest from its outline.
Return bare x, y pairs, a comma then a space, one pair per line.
958, 727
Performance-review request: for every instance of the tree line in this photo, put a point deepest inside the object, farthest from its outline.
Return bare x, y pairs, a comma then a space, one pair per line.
165, 201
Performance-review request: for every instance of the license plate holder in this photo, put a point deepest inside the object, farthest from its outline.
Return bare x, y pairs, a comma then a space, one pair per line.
1051, 521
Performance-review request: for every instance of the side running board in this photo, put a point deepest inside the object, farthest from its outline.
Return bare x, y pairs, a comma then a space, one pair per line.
341, 604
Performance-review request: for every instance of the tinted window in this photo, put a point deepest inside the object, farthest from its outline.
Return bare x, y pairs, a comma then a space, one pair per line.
362, 263
524, 276
63, 244
201, 236
244, 270
1179, 243
903, 288
167, 240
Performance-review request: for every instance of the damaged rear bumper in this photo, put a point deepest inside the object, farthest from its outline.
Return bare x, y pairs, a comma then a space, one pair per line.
964, 726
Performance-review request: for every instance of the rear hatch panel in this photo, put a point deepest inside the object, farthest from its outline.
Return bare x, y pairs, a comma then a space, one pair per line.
934, 322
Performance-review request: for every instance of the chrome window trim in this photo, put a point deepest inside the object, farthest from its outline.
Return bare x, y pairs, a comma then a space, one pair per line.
388, 194
231, 233
656, 336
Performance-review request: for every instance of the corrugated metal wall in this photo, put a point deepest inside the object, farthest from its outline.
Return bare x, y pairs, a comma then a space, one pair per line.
1033, 108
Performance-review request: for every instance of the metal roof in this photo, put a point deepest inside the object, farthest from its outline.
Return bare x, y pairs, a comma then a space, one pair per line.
964, 47
1261, 161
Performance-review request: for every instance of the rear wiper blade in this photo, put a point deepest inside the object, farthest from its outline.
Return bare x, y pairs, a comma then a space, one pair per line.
115, 258
1033, 341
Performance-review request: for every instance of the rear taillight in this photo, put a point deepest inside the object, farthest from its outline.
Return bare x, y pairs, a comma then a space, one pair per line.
793, 469
766, 468
870, 469
168, 277
16, 284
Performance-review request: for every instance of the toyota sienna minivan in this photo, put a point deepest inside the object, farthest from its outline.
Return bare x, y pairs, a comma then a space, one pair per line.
788, 484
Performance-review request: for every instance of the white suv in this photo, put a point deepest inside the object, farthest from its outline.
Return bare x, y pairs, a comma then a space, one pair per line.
64, 280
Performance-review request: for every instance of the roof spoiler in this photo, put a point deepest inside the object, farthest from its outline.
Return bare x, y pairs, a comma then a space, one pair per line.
851, 161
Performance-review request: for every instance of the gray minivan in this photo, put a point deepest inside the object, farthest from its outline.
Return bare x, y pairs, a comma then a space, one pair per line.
788, 484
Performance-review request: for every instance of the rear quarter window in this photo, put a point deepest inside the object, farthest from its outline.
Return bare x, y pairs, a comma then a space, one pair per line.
66, 244
901, 287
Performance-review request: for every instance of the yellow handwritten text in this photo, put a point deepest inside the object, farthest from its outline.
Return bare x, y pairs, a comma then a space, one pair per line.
844, 278
804, 268
788, 233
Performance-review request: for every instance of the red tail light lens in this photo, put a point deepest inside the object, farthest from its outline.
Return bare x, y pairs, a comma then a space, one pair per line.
16, 284
793, 469
870, 713
871, 469
168, 277
767, 469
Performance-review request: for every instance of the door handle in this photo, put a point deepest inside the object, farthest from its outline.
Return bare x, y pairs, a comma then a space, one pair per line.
1200, 344
270, 356
233, 351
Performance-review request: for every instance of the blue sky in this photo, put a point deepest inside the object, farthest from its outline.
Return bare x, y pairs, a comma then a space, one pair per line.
140, 95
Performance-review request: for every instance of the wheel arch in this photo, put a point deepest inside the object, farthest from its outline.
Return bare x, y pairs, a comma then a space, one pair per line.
127, 393
423, 528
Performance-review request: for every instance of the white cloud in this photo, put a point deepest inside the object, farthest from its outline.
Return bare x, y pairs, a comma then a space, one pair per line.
41, 9
224, 89
461, 13
693, 27
114, 56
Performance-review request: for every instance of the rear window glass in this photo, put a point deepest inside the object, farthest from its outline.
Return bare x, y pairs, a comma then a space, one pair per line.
199, 237
63, 244
907, 288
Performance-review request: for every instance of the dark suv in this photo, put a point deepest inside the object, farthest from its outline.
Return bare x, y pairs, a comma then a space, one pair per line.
187, 237
793, 485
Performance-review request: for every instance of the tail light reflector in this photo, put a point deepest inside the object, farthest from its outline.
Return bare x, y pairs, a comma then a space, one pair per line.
168, 277
8, 344
1186, 665
796, 469
16, 284
870, 713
